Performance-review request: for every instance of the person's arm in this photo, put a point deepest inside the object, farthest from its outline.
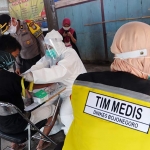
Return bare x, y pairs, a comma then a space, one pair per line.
56, 73
42, 63
40, 40
47, 75
17, 64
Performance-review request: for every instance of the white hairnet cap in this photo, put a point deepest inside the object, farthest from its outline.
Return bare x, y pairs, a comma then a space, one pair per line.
54, 39
53, 35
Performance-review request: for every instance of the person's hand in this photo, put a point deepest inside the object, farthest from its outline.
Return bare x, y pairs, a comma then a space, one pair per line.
64, 34
28, 77
69, 34
17, 71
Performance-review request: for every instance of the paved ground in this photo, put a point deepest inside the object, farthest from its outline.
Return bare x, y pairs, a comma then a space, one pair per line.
60, 135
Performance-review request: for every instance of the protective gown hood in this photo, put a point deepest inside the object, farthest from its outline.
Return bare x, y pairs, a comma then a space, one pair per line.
54, 39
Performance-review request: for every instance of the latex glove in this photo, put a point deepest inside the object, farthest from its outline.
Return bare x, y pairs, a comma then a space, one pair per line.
28, 77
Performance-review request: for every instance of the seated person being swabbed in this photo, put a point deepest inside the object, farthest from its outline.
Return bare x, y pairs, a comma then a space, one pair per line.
11, 89
112, 108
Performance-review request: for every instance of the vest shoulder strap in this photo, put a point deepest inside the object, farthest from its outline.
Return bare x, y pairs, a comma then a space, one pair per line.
34, 28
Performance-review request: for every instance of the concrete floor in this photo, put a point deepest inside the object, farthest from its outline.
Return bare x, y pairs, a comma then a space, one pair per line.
60, 135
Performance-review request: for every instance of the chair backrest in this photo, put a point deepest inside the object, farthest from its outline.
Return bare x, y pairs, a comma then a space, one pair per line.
7, 109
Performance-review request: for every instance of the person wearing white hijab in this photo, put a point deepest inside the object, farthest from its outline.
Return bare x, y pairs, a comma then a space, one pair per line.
60, 64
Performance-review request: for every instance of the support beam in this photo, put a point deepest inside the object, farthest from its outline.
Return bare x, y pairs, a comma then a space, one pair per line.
51, 14
104, 30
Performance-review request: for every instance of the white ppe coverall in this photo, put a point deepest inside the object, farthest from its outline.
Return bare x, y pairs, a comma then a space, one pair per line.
65, 70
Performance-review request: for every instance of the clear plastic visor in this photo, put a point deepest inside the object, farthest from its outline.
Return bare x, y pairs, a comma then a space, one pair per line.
47, 46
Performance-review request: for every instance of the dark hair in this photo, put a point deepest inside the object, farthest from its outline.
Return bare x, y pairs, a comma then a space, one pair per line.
9, 43
4, 18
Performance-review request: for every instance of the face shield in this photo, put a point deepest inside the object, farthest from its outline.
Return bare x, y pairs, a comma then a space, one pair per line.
50, 52
53, 41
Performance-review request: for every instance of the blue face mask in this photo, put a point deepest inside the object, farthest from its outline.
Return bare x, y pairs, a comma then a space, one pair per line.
51, 53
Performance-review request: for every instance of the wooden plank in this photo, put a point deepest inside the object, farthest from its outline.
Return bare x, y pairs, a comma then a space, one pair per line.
134, 8
94, 15
60, 16
64, 13
110, 14
146, 10
93, 35
68, 12
121, 12
89, 39
63, 3
77, 21
110, 37
91, 46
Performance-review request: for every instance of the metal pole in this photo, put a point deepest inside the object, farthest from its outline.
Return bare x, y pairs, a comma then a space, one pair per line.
123, 19
51, 14
29, 136
0, 144
104, 30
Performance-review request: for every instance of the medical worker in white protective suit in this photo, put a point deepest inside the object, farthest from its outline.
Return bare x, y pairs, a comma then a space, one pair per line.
63, 66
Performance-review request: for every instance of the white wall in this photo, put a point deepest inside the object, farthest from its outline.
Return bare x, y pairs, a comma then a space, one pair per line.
3, 6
